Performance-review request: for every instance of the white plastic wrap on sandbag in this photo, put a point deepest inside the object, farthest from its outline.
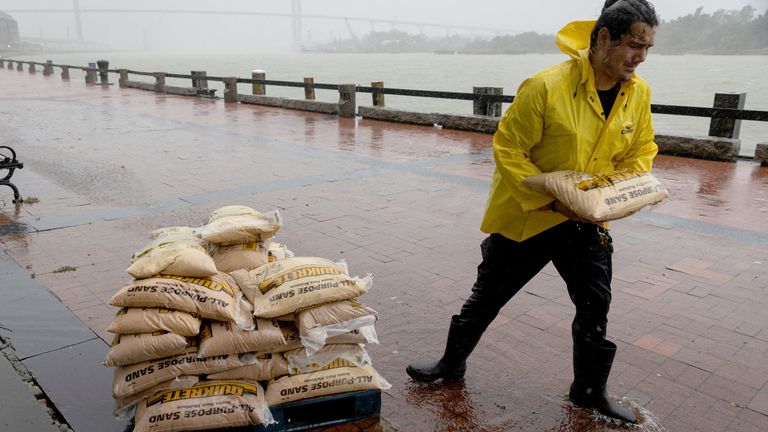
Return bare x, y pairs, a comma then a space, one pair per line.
315, 338
601, 197
328, 357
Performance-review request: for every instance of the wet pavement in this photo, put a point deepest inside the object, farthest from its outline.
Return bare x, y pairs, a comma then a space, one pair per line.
690, 308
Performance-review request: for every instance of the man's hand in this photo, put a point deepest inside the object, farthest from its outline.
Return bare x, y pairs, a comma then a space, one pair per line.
565, 211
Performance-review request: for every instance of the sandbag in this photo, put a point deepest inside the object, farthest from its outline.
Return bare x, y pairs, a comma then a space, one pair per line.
328, 357
124, 408
282, 287
267, 367
601, 197
136, 348
350, 330
206, 405
330, 319
243, 256
132, 379
244, 225
178, 254
215, 297
150, 320
321, 383
225, 338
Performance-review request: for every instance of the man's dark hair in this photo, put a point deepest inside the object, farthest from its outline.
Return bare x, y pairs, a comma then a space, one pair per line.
619, 15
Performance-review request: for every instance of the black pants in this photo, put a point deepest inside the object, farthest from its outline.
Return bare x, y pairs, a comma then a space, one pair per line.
581, 254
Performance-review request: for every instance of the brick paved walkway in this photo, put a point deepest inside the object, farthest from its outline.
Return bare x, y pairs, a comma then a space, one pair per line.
690, 309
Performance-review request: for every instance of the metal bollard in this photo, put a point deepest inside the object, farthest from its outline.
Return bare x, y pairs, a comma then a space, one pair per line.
103, 73
259, 89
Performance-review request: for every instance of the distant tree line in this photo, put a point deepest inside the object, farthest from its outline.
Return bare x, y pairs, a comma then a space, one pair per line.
722, 32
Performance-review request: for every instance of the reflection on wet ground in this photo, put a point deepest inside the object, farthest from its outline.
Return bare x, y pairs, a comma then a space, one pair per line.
404, 203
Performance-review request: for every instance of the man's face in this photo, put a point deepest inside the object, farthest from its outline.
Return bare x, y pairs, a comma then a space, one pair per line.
623, 56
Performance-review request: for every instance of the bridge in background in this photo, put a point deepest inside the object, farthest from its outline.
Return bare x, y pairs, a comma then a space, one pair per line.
296, 16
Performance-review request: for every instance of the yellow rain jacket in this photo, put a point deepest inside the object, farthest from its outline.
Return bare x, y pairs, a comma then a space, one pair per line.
555, 123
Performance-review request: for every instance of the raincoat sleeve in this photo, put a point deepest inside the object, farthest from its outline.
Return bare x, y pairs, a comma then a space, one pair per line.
639, 157
520, 129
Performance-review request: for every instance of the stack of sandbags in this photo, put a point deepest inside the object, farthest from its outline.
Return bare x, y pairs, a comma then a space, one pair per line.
319, 298
238, 237
176, 287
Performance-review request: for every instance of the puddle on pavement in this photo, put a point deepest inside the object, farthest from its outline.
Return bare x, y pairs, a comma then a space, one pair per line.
9, 227
576, 419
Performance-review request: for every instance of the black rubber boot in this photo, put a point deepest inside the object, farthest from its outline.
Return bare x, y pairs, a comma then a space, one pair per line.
591, 367
453, 364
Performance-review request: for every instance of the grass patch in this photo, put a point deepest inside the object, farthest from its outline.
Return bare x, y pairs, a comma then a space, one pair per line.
63, 269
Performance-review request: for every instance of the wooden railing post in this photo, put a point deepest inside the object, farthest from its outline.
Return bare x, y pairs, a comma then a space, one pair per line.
309, 89
103, 65
18, 66
159, 81
200, 80
32, 68
48, 68
90, 74
65, 72
378, 97
258, 88
347, 100
122, 81
727, 128
484, 107
230, 90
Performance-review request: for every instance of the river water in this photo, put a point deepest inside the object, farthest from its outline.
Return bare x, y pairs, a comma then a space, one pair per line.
690, 80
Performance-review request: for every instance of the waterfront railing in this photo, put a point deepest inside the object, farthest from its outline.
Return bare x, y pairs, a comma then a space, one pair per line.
722, 142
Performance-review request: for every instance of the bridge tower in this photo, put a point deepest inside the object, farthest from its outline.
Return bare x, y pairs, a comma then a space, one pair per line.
296, 24
78, 23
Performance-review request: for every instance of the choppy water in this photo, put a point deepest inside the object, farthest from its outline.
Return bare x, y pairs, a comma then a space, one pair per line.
690, 80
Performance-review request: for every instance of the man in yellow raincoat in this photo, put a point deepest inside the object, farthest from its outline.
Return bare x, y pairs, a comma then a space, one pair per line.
591, 114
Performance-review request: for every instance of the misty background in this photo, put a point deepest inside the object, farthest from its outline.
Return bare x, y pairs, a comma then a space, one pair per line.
226, 33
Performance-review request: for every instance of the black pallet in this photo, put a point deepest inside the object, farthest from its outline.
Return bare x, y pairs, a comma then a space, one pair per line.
324, 411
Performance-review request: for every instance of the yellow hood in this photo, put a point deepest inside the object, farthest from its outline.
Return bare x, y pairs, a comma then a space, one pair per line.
574, 37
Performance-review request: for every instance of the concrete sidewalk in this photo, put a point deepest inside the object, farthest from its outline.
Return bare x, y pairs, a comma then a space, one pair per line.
690, 308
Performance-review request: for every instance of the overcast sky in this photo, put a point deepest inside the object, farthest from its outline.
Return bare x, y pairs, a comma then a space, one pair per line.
165, 31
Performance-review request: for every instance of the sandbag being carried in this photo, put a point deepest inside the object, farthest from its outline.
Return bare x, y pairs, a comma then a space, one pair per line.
266, 367
225, 338
215, 297
240, 224
282, 287
206, 405
136, 348
326, 382
178, 254
132, 379
601, 197
150, 320
328, 357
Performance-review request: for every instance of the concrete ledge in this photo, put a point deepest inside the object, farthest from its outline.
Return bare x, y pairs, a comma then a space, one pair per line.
761, 154
474, 123
294, 104
181, 91
711, 148
140, 85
